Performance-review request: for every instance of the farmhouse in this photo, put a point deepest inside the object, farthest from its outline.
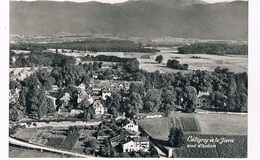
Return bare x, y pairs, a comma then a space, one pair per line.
124, 137
136, 144
203, 100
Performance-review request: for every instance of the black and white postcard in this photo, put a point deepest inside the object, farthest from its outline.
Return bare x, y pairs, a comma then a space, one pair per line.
128, 79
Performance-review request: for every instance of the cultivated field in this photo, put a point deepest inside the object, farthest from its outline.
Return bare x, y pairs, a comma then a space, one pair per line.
194, 123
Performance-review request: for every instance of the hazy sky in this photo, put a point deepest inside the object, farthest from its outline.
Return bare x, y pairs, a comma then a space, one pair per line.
117, 1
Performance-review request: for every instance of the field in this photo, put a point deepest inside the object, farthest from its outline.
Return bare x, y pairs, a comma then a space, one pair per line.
235, 63
26, 134
158, 128
189, 124
208, 124
18, 152
219, 124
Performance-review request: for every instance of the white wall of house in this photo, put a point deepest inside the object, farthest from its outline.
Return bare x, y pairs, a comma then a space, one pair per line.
129, 146
131, 127
135, 146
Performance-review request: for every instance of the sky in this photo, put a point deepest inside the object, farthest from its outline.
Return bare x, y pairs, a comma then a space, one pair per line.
118, 1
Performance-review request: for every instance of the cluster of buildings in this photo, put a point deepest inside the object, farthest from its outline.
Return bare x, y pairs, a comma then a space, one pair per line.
95, 93
130, 139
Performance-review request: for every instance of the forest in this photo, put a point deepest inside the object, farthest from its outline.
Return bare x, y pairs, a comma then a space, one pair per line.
93, 45
214, 48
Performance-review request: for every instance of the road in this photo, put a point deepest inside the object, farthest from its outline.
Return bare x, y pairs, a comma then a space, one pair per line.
64, 124
28, 145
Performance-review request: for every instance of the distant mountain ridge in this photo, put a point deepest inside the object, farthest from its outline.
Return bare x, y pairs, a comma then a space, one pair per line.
142, 18
180, 2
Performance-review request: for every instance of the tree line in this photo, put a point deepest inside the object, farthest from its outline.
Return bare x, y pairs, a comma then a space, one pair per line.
214, 48
93, 45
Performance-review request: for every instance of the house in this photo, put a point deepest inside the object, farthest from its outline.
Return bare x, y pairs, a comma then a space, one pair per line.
82, 94
203, 100
105, 93
63, 101
125, 136
131, 126
82, 86
66, 98
136, 144
99, 108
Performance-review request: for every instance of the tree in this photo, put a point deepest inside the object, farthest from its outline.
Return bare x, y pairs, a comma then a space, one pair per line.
131, 65
176, 137
159, 59
95, 66
100, 65
152, 100
136, 101
168, 99
114, 103
14, 84
91, 143
137, 88
37, 102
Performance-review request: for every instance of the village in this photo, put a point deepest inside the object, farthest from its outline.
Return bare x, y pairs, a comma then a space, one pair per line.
103, 104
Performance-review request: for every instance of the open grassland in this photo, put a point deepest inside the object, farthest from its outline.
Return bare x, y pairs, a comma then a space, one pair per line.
236, 63
158, 128
18, 152
222, 124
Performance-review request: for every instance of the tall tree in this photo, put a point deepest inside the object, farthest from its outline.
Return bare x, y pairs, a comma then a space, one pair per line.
176, 137
152, 100
136, 101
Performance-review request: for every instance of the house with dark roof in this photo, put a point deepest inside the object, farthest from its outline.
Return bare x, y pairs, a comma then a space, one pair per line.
123, 137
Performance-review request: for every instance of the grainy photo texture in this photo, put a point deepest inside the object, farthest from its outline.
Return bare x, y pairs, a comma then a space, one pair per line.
128, 78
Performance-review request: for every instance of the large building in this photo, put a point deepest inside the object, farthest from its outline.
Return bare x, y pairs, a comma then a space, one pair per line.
136, 144
203, 100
